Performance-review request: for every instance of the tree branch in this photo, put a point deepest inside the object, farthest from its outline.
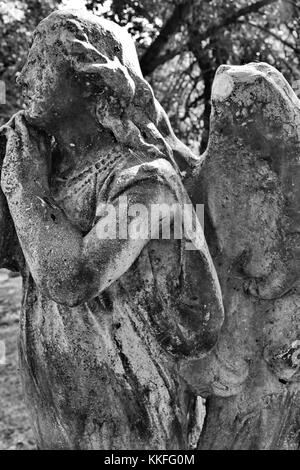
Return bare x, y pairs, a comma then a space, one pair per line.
230, 19
150, 60
283, 41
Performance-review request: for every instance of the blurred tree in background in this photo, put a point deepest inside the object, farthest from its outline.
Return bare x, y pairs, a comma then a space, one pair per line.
180, 44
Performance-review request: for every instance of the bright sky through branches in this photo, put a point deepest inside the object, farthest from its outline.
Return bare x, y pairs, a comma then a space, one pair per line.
78, 4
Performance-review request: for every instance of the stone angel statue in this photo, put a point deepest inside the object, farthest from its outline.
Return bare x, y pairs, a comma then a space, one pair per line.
106, 321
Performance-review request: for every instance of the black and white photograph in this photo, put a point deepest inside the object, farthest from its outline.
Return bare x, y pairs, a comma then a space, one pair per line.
150, 228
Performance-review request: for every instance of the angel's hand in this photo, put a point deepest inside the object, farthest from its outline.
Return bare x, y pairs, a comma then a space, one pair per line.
27, 156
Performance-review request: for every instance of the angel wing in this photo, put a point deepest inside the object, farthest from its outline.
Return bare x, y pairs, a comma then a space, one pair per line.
249, 183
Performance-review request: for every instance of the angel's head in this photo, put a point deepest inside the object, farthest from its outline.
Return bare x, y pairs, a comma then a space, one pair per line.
75, 52
80, 63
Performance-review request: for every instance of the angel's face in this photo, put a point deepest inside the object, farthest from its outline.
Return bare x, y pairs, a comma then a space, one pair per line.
48, 85
37, 80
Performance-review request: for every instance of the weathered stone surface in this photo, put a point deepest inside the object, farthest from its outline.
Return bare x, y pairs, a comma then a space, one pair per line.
10, 252
105, 323
250, 181
115, 339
